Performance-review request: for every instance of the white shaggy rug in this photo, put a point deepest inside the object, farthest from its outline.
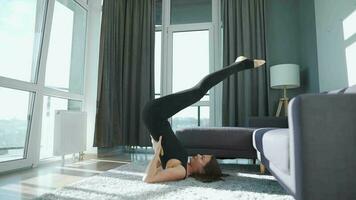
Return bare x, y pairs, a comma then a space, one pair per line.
244, 183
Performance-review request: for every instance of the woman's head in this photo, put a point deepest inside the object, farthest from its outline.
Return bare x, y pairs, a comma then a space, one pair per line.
205, 168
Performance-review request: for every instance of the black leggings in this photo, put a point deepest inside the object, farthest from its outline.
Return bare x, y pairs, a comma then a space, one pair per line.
157, 112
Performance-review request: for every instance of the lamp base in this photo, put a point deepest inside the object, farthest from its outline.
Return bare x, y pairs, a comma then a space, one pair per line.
282, 101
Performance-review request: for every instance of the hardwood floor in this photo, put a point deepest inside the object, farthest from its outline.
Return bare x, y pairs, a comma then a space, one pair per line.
32, 182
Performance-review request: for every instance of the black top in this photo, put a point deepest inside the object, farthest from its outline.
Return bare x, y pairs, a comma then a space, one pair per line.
173, 149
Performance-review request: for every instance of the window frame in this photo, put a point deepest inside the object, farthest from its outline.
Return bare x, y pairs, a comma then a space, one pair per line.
215, 52
32, 145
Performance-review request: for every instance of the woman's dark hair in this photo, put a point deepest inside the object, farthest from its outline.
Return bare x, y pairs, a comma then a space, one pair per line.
212, 172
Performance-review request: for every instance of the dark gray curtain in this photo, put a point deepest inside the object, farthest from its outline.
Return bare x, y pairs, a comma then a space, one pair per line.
126, 72
244, 94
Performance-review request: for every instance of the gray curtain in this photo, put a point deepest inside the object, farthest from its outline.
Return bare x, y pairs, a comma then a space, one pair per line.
244, 94
126, 72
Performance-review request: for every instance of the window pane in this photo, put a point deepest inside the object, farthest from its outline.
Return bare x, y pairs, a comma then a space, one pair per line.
190, 58
50, 105
20, 38
186, 118
14, 109
204, 116
188, 11
158, 62
66, 53
158, 12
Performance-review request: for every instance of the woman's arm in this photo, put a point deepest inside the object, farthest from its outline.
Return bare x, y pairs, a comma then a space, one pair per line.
155, 163
168, 174
155, 174
152, 168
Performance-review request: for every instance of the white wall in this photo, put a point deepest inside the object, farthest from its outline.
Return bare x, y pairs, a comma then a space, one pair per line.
91, 77
336, 53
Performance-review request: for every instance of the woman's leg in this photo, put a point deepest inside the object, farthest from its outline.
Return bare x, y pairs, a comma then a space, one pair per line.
165, 107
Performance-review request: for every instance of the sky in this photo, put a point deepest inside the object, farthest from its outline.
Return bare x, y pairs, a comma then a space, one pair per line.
17, 31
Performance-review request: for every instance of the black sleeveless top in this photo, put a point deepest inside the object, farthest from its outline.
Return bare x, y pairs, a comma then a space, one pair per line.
159, 126
173, 149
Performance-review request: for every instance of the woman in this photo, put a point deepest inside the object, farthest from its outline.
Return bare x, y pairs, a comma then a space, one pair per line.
170, 161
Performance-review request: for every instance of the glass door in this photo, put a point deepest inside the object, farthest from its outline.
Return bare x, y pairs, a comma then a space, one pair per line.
190, 60
65, 57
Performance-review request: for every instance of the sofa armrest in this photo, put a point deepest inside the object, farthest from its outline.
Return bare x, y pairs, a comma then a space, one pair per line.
270, 122
323, 141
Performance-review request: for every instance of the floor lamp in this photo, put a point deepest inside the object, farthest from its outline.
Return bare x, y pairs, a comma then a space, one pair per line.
284, 76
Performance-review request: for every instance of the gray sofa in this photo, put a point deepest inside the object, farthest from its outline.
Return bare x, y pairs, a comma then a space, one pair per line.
226, 142
315, 158
222, 142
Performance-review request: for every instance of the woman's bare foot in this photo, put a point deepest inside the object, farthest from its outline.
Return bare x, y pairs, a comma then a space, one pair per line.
257, 63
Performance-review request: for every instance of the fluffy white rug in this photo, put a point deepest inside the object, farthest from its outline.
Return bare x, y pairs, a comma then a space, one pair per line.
244, 183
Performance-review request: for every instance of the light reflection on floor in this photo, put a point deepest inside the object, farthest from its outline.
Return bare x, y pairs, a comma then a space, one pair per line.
30, 183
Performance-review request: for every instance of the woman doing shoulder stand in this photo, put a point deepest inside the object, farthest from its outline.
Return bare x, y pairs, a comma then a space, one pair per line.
170, 161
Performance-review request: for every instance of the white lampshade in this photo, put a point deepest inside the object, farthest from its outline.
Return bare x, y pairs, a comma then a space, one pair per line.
285, 76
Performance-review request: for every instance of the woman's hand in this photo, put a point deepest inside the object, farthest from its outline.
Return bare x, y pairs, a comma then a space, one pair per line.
158, 146
154, 144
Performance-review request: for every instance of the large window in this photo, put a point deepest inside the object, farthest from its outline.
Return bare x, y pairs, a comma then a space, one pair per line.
19, 49
64, 67
42, 48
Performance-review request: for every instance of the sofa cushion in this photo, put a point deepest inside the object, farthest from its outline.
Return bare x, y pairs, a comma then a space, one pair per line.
273, 144
217, 138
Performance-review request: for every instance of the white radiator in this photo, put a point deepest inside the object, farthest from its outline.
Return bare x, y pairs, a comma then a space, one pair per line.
70, 128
